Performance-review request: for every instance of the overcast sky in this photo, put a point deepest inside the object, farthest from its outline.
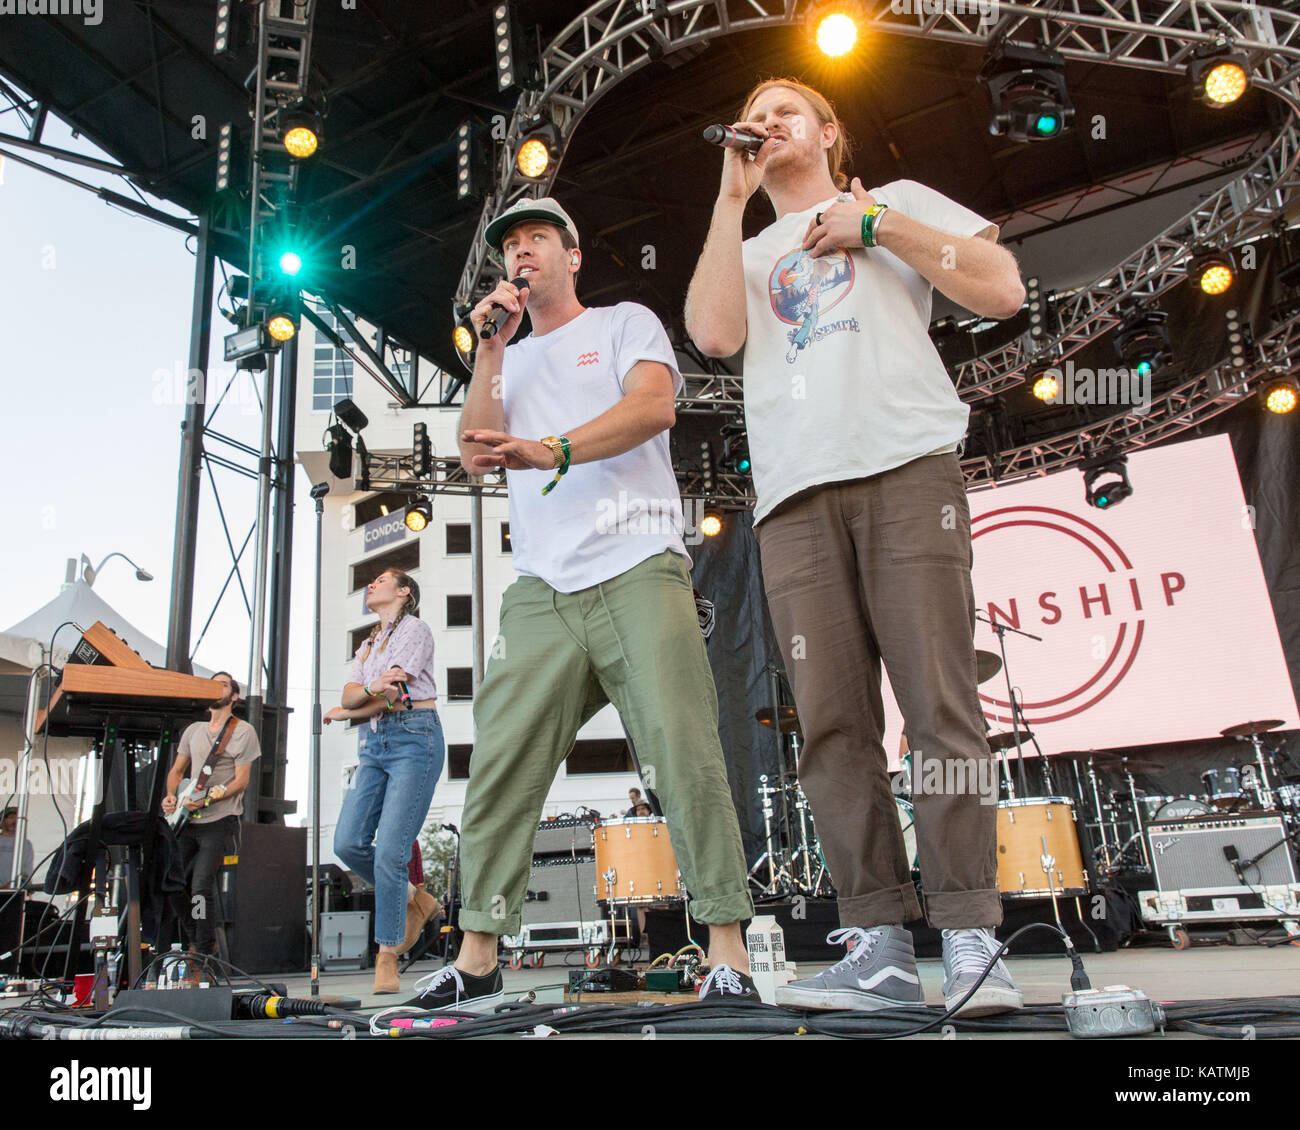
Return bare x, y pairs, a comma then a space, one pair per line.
95, 325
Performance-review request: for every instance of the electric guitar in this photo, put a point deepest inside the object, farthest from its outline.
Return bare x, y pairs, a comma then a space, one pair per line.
187, 790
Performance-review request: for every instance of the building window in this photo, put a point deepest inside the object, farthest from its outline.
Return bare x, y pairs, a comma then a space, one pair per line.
459, 612
599, 755
331, 367
404, 557
457, 538
458, 761
505, 537
356, 638
380, 505
460, 684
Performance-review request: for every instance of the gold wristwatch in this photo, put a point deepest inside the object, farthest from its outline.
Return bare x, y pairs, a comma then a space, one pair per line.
557, 448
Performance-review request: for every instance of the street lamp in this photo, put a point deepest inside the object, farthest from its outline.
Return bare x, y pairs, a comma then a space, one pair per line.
88, 574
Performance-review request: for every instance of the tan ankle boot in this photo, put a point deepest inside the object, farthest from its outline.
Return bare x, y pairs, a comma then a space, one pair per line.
387, 979
419, 910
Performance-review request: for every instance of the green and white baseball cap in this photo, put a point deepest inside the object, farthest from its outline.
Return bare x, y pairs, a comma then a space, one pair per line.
546, 210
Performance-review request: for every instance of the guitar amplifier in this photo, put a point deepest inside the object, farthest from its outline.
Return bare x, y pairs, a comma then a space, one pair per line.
1196, 855
563, 892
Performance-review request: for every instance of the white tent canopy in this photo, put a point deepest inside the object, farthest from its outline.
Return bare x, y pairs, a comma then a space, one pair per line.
22, 644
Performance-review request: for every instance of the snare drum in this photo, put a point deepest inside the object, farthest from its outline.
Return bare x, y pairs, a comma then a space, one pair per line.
641, 858
1223, 787
1023, 825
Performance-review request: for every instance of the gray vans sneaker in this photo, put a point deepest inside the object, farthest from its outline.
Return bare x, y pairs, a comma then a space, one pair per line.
965, 954
878, 972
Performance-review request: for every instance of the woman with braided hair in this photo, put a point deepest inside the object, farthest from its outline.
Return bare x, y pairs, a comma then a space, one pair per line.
400, 754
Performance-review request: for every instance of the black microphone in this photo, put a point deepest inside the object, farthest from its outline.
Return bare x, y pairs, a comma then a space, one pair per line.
499, 314
1231, 854
730, 138
404, 695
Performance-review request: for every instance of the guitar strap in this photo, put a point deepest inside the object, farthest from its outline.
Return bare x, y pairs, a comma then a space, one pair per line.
218, 747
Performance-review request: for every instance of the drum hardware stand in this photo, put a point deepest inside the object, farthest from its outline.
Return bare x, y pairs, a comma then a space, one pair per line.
1137, 815
801, 806
1016, 716
1266, 800
1101, 818
774, 681
774, 873
610, 876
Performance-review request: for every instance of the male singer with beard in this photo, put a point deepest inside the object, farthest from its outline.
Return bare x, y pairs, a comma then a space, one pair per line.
603, 611
227, 746
862, 523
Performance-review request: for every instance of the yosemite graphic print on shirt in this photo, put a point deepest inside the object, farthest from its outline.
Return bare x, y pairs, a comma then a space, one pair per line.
804, 289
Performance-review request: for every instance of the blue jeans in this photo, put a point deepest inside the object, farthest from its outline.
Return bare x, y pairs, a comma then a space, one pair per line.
384, 810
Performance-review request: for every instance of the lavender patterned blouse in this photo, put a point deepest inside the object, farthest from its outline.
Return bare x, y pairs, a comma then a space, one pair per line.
409, 646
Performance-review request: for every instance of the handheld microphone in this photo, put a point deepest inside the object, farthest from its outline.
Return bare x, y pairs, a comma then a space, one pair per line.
499, 314
404, 696
730, 138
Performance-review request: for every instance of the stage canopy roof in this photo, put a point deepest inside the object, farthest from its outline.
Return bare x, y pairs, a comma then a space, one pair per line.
398, 78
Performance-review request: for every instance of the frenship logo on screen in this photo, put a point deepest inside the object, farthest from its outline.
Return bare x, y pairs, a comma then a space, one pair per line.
1121, 592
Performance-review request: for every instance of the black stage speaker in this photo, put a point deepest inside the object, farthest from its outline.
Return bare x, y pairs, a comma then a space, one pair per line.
1191, 855
265, 899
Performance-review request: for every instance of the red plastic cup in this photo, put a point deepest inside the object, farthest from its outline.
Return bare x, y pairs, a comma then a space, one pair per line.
81, 988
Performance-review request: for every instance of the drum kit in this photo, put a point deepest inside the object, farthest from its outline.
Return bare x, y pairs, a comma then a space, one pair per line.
1118, 814
636, 870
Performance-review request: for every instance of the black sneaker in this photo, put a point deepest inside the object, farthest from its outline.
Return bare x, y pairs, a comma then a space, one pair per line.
724, 985
453, 991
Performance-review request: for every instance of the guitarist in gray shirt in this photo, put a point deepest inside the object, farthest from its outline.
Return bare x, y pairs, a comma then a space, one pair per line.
218, 757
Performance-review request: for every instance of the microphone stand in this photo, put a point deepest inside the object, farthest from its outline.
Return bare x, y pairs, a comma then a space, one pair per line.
774, 681
318, 492
1001, 630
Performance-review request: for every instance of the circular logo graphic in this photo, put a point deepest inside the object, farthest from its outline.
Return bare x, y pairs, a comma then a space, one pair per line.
1088, 569
803, 288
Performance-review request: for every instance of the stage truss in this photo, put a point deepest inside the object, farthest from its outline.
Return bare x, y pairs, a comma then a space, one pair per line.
615, 38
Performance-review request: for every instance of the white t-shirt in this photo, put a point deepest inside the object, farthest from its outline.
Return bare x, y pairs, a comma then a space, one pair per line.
603, 517
841, 378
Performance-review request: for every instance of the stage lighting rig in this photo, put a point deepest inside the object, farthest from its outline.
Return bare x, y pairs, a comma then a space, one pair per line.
225, 155
1240, 338
1026, 87
518, 49
1219, 76
1280, 395
540, 146
735, 447
1142, 340
1105, 479
711, 523
706, 466
282, 310
419, 514
1212, 271
301, 131
1046, 385
421, 451
833, 26
463, 337
339, 444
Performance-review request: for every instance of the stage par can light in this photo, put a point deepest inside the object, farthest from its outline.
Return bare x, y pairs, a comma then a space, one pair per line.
1281, 396
836, 33
1219, 78
533, 158
419, 514
463, 339
711, 524
1046, 387
300, 132
290, 262
1212, 271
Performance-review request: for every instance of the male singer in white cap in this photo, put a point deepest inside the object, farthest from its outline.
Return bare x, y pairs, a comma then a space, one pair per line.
578, 414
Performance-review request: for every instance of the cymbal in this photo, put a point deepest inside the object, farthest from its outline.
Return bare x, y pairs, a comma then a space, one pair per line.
1246, 729
788, 716
987, 664
998, 742
1107, 761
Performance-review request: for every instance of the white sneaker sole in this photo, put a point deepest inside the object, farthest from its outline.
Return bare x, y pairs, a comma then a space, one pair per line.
829, 999
474, 1004
988, 1000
